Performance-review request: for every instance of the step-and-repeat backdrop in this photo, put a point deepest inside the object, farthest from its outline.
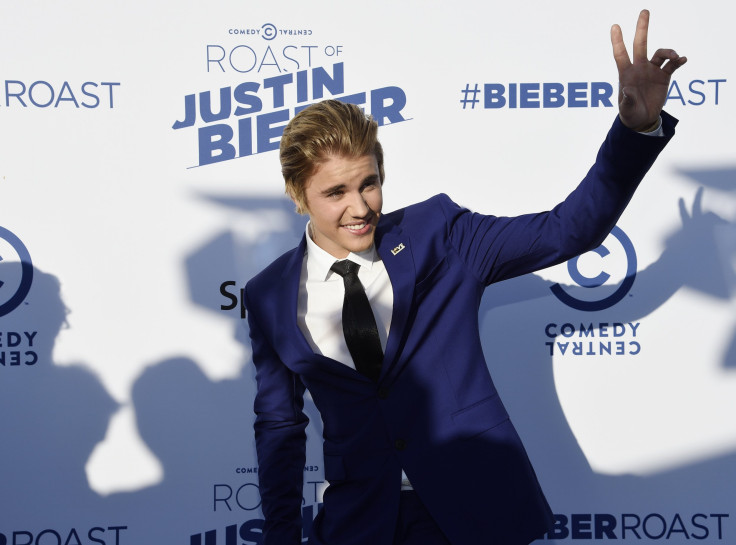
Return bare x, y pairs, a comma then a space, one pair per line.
140, 188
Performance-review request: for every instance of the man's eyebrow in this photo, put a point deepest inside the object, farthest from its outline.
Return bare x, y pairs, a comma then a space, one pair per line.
332, 189
371, 178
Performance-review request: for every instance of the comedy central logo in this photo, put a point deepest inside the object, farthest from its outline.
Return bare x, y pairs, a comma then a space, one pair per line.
601, 296
16, 272
269, 31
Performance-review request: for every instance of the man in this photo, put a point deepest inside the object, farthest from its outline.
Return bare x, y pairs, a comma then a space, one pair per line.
418, 448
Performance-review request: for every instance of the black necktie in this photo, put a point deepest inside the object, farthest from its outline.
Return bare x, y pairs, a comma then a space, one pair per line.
358, 322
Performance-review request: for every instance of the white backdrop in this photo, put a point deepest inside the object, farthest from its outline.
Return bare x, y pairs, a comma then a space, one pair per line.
126, 388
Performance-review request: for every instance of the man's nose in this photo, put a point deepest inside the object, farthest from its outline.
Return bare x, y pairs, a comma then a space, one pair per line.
358, 207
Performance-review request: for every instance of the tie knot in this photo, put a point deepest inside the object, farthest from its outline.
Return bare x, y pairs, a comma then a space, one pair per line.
345, 267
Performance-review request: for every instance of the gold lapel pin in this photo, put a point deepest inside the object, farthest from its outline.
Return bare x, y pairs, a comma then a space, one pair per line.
398, 249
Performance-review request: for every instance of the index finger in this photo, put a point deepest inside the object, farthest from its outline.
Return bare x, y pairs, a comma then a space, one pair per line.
640, 38
620, 55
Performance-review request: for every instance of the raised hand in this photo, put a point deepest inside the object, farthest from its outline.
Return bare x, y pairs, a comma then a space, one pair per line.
643, 83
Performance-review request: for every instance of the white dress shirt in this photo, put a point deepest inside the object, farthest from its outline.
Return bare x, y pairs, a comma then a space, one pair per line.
321, 294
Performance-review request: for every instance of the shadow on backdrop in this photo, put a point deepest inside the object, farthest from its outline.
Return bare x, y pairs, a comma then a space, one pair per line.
201, 430
52, 418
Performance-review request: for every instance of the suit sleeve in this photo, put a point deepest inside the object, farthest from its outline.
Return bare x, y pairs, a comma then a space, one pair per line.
497, 248
280, 440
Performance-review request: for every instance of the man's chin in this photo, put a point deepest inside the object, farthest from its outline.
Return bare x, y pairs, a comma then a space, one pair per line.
361, 244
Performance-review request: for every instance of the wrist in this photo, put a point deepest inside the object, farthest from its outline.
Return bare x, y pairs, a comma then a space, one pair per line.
650, 127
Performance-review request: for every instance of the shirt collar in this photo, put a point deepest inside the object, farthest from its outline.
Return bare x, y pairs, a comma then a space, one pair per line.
319, 261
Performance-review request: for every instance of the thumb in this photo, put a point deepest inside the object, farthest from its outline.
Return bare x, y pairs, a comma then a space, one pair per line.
629, 109
628, 97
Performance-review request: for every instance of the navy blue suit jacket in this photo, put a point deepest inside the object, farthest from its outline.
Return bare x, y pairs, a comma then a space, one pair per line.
434, 412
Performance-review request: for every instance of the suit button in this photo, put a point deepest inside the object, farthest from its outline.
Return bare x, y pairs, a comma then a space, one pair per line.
382, 393
400, 444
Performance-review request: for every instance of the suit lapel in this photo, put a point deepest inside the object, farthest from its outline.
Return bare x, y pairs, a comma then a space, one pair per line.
288, 308
289, 297
395, 250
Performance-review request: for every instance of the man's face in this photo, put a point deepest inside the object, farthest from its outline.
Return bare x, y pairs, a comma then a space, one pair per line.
344, 199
